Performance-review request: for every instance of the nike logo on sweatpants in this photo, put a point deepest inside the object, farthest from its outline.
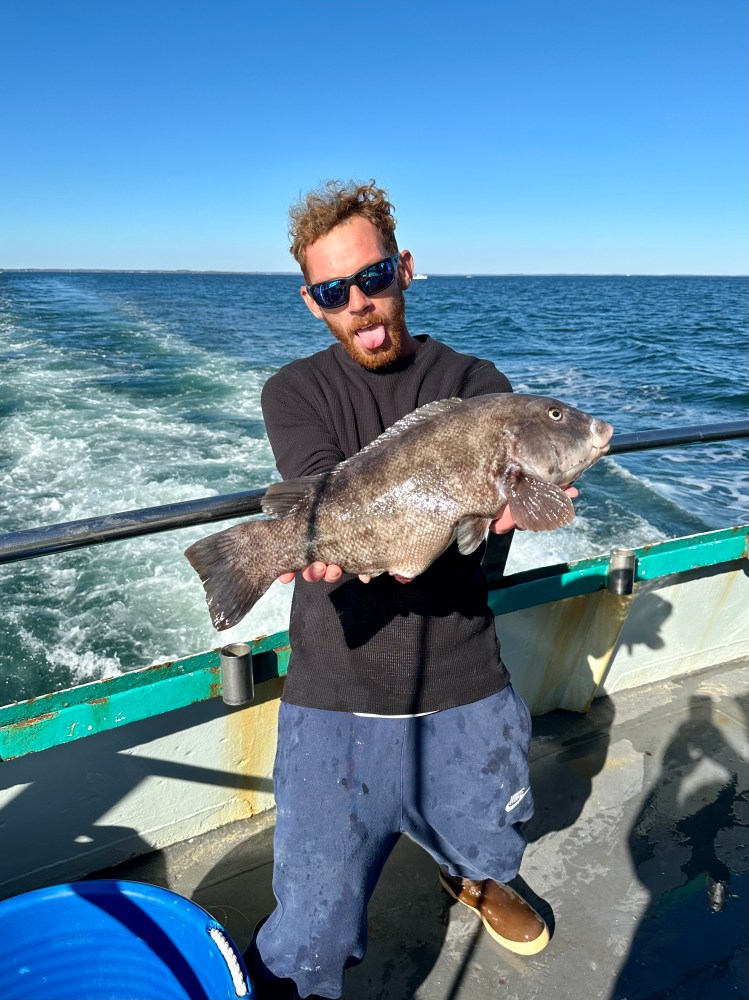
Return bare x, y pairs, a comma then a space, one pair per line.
516, 799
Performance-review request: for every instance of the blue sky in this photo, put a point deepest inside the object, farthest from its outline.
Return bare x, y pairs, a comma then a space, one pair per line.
592, 136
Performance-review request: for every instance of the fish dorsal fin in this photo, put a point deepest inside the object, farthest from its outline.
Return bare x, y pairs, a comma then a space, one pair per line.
536, 505
282, 498
470, 533
410, 420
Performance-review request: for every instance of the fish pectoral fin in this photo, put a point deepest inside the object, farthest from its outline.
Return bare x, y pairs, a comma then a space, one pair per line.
470, 533
282, 498
536, 505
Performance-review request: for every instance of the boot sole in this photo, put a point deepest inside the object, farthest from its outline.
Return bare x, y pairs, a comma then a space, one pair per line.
518, 947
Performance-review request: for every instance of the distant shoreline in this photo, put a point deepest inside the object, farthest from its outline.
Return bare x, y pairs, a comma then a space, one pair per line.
291, 274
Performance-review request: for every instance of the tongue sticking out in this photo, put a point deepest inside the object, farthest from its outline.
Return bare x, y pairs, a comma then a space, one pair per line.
372, 337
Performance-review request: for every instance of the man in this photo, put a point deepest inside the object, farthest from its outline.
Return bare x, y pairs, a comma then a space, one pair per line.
397, 715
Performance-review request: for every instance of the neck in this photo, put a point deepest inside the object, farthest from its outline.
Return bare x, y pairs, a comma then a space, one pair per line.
409, 345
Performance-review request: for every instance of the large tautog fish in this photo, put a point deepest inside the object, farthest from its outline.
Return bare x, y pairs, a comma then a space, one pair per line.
441, 473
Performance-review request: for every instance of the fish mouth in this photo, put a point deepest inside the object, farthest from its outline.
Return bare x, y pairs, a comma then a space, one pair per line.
598, 451
601, 434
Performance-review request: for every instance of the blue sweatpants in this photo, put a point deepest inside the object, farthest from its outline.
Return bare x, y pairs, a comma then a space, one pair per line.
348, 786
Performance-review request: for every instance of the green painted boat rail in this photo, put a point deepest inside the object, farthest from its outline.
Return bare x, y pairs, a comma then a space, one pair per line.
58, 718
62, 716
659, 559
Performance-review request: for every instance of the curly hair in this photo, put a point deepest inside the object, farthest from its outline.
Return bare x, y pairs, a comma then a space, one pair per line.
334, 202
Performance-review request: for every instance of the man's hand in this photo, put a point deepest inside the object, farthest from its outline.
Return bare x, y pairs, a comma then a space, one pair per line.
505, 522
315, 572
330, 573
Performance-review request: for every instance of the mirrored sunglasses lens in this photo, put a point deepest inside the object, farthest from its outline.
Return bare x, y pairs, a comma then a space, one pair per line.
332, 294
376, 278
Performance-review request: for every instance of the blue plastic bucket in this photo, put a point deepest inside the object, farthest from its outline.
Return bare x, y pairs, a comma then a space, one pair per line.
111, 940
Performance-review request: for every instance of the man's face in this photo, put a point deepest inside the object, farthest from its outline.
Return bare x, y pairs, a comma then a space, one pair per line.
372, 329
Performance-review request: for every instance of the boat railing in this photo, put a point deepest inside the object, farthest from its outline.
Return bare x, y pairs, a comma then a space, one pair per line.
28, 543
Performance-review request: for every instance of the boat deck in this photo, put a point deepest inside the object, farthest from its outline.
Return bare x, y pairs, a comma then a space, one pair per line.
637, 858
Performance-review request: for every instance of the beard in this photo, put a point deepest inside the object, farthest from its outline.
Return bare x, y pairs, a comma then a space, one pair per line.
394, 322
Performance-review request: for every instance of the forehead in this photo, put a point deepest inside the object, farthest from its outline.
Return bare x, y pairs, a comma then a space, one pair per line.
344, 250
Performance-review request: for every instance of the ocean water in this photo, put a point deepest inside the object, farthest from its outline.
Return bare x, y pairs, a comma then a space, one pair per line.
122, 390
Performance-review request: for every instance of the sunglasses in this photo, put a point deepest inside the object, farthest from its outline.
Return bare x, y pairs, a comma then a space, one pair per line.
371, 279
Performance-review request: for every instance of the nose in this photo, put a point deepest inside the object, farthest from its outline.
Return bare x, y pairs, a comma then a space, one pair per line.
358, 302
600, 432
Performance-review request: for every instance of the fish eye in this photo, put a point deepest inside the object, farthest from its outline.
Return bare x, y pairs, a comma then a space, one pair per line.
555, 413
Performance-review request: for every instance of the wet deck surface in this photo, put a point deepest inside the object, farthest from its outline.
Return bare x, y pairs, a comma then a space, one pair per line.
637, 858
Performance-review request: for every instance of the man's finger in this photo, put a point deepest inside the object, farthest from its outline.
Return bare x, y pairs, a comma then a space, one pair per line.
504, 523
314, 572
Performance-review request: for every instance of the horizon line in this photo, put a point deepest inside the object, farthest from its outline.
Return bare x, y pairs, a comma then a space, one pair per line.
433, 274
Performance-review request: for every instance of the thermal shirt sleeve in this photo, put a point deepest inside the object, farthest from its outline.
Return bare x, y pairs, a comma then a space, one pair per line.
303, 444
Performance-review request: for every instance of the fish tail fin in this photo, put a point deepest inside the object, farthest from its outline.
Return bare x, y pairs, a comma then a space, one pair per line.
238, 565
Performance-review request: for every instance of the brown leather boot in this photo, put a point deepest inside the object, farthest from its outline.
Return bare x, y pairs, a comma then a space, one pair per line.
507, 917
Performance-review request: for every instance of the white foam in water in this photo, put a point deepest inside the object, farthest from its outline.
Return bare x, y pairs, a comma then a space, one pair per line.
82, 452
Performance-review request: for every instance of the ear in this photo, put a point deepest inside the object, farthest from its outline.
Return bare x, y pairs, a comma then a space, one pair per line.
405, 270
313, 307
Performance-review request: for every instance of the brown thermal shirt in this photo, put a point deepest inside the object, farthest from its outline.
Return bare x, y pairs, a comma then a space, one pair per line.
383, 648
